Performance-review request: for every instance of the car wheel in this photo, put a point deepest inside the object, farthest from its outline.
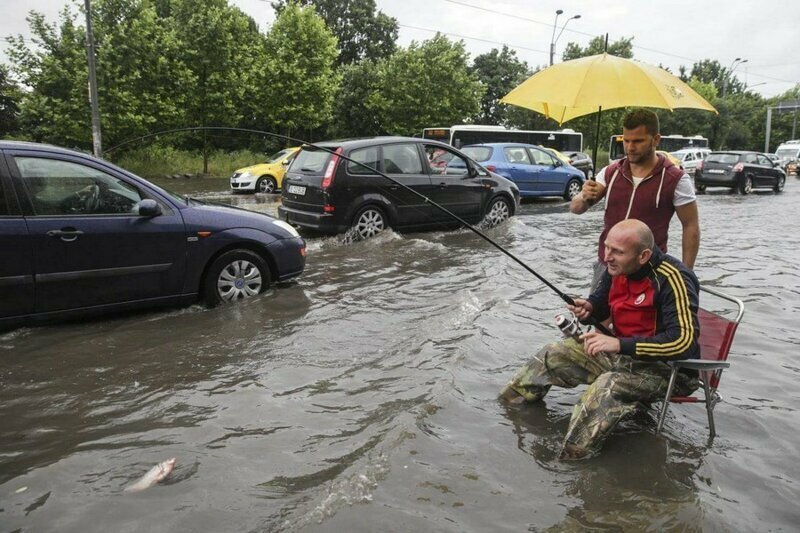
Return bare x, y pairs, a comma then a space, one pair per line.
573, 188
266, 184
746, 186
235, 275
499, 211
699, 187
369, 222
780, 183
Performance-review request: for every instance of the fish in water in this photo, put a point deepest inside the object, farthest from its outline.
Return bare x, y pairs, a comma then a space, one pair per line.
153, 476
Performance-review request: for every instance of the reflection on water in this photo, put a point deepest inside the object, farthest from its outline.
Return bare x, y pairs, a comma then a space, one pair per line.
363, 395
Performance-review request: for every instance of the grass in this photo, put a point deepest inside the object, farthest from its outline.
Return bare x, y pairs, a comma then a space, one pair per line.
158, 161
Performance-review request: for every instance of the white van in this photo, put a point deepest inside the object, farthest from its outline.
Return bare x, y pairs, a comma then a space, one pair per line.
788, 152
690, 157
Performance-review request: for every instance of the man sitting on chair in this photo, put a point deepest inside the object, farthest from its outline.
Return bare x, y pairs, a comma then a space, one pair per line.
652, 299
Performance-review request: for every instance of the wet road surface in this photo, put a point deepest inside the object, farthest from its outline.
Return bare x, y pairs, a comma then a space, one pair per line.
363, 396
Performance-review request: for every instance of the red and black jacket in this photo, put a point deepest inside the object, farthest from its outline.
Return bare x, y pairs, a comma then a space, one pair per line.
654, 310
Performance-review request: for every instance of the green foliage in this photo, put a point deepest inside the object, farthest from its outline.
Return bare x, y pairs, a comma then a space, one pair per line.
499, 71
159, 159
10, 96
425, 85
362, 32
297, 78
620, 48
350, 117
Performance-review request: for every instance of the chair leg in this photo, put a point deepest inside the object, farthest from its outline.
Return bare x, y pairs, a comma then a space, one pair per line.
709, 409
665, 405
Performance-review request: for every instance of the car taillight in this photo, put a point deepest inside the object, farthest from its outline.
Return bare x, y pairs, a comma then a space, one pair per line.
738, 167
491, 168
327, 180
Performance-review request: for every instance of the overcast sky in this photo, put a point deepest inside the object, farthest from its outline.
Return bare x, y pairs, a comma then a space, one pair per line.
671, 33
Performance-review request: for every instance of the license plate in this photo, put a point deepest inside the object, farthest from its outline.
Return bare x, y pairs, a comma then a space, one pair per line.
297, 189
716, 171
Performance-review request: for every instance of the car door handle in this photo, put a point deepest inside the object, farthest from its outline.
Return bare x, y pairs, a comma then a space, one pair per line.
442, 185
394, 187
65, 234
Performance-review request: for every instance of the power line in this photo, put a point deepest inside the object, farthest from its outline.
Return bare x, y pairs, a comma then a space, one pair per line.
472, 38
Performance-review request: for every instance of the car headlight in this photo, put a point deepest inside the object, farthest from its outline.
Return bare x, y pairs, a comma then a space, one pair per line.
245, 175
287, 227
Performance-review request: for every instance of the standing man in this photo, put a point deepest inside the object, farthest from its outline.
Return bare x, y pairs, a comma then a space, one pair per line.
651, 298
643, 185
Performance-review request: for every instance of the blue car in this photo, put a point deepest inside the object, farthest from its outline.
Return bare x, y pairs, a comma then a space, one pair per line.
536, 170
80, 236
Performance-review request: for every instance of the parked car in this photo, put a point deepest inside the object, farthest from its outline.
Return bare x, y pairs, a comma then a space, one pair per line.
690, 157
582, 162
535, 170
80, 236
264, 177
326, 192
740, 170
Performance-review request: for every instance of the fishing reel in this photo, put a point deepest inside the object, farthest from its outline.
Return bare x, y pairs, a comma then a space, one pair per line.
569, 325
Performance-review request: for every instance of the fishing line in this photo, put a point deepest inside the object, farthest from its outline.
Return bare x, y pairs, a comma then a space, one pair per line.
565, 297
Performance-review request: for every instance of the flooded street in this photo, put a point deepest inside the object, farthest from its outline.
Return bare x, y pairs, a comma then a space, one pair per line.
362, 397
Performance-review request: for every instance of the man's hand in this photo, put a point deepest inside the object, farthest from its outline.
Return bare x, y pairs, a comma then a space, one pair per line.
592, 191
582, 308
595, 343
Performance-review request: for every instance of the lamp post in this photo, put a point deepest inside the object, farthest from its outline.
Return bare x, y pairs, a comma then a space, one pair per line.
555, 37
735, 63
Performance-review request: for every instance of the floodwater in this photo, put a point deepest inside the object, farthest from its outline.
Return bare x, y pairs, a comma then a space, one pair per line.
363, 396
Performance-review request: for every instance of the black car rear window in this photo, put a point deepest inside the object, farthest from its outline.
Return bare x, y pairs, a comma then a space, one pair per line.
310, 160
478, 153
727, 159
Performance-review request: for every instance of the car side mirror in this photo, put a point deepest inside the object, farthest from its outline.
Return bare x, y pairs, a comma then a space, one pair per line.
472, 172
558, 163
149, 208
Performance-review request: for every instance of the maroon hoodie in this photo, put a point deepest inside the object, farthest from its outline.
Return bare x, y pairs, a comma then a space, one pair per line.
650, 202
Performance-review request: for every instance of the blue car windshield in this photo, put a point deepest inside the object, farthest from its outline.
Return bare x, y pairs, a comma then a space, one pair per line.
478, 153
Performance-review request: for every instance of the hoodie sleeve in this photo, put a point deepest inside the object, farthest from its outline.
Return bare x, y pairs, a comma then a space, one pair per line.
678, 302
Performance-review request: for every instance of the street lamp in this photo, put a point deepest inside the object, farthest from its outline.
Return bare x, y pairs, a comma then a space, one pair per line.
735, 63
555, 38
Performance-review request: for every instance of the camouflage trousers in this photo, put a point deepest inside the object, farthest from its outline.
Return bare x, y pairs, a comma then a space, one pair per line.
617, 383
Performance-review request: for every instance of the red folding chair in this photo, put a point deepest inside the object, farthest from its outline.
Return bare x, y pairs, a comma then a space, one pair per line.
716, 337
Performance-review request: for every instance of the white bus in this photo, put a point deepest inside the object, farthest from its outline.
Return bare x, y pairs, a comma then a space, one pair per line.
669, 143
461, 135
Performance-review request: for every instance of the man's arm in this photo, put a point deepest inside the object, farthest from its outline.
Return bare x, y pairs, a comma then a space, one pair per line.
690, 220
590, 194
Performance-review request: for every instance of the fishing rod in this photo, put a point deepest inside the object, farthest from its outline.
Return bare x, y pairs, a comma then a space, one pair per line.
565, 297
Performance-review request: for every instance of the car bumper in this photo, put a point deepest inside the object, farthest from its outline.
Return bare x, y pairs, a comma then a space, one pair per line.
289, 256
246, 184
717, 180
323, 222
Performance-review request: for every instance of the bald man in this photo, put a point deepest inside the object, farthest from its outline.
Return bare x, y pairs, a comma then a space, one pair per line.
651, 299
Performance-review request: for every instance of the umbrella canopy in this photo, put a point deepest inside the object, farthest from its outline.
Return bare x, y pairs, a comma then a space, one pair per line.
583, 86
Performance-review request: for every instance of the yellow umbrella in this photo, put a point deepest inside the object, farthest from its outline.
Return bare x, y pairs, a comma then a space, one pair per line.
582, 86
590, 84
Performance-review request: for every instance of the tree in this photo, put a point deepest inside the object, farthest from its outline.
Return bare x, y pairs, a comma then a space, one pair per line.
56, 109
10, 95
499, 71
298, 80
362, 32
427, 84
351, 118
620, 48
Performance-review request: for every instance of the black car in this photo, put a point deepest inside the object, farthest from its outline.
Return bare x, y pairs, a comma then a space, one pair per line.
325, 192
582, 162
739, 170
80, 236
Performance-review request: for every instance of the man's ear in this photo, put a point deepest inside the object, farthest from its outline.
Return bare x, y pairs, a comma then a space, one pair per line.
645, 256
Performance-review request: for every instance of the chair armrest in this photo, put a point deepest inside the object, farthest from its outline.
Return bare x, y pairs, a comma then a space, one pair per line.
700, 364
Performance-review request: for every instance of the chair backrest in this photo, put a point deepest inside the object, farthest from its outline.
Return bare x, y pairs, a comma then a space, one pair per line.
716, 334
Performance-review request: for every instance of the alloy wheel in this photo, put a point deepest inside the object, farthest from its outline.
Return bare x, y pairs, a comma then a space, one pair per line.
369, 223
498, 213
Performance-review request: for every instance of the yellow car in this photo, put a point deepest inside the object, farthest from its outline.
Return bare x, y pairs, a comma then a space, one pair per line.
265, 177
